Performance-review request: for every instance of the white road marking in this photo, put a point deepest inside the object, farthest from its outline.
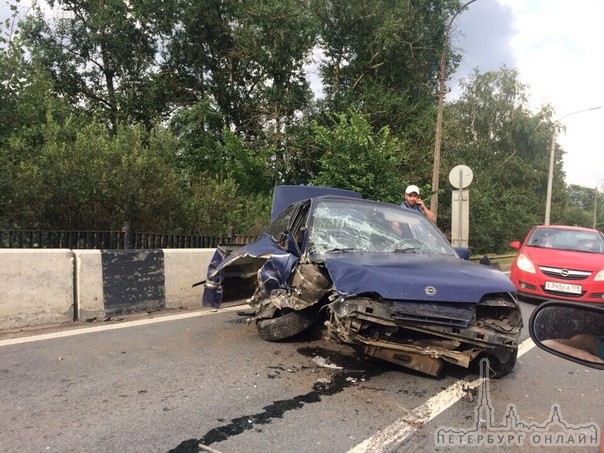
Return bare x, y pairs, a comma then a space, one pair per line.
140, 322
399, 432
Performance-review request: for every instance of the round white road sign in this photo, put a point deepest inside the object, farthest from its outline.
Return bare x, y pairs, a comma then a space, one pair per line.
461, 176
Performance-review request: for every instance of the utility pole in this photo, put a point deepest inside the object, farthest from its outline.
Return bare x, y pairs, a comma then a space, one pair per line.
550, 177
439, 114
596, 203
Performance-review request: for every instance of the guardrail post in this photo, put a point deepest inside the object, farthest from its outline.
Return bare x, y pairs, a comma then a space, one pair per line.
127, 229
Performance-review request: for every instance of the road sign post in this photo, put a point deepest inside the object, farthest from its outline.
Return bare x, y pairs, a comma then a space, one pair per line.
460, 177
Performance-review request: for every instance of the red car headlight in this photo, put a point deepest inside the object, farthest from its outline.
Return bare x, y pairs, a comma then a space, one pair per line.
599, 276
526, 265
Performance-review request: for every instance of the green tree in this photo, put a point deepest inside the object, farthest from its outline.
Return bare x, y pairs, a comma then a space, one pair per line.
492, 130
215, 204
244, 61
164, 113
578, 207
355, 158
78, 174
102, 54
382, 57
209, 149
26, 105
24, 88
245, 58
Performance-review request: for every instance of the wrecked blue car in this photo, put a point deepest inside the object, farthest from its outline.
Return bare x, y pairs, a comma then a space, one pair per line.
376, 276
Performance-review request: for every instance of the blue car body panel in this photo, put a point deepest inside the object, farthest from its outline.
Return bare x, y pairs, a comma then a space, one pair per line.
399, 276
273, 273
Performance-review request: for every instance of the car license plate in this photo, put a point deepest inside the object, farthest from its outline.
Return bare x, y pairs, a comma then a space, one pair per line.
563, 287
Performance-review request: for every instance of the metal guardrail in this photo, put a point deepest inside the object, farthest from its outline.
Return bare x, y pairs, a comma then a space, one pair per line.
493, 257
25, 239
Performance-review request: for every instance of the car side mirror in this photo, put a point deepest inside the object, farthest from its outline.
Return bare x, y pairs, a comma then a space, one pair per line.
288, 242
515, 245
570, 330
463, 253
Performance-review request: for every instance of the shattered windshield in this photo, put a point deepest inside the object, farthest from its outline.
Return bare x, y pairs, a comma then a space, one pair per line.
350, 226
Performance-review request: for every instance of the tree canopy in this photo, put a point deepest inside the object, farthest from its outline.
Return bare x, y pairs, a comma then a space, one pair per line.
181, 116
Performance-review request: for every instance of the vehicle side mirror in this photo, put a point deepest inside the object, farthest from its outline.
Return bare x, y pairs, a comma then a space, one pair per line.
463, 253
288, 242
570, 330
515, 245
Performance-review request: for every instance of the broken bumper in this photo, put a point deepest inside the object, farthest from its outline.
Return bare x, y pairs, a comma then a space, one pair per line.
425, 336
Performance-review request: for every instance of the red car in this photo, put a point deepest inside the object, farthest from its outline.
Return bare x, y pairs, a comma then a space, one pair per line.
560, 262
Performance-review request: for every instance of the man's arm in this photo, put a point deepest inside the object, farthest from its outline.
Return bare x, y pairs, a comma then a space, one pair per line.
429, 214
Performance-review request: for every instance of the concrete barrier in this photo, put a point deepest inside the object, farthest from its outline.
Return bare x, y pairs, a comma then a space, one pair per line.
36, 287
49, 286
89, 301
183, 268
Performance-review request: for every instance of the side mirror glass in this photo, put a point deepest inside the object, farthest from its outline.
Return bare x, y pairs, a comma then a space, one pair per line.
573, 331
463, 253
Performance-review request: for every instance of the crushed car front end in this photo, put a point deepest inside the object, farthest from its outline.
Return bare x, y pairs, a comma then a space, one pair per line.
425, 336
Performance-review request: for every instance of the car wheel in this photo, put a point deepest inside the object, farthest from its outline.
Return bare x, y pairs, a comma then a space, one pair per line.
501, 362
286, 324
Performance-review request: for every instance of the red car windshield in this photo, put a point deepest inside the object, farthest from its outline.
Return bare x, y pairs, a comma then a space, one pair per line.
573, 240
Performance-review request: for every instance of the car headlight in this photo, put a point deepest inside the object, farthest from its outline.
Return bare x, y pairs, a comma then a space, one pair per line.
599, 276
524, 264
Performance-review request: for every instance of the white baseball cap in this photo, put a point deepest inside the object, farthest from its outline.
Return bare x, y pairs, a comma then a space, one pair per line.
411, 189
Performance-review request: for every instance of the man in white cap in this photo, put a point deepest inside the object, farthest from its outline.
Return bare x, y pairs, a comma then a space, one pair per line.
415, 203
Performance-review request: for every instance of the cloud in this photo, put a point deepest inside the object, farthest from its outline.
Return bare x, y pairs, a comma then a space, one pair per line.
483, 34
556, 46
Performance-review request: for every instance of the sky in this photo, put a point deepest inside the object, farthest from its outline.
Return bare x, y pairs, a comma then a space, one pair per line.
557, 48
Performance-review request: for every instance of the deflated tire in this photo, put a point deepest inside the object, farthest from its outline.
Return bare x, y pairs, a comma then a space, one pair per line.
286, 325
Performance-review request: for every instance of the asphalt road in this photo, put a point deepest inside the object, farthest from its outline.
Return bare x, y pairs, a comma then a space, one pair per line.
169, 383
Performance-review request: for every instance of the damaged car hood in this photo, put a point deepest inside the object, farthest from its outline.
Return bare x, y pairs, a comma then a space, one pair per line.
430, 278
265, 248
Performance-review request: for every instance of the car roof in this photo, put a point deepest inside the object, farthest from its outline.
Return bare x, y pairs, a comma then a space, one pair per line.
566, 227
286, 195
357, 200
